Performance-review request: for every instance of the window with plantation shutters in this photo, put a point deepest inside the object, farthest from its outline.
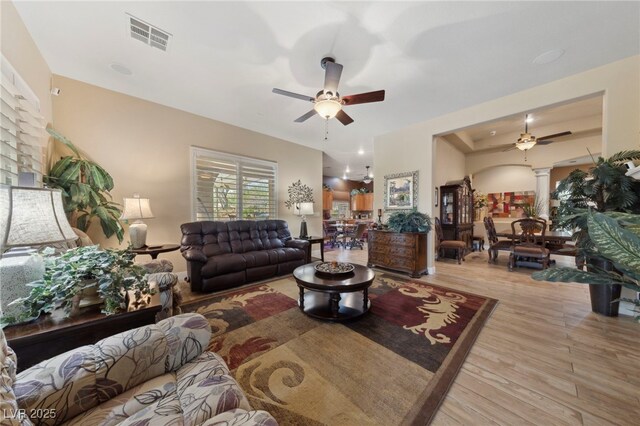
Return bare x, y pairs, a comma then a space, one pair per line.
21, 129
229, 187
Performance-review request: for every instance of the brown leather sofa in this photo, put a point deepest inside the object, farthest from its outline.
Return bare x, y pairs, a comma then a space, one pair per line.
228, 254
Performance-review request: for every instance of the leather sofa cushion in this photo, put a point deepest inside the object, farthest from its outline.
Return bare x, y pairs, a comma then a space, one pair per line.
211, 237
259, 258
287, 254
224, 264
244, 236
273, 233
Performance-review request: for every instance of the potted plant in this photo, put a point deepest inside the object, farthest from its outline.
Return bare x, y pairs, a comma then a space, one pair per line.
604, 188
85, 190
112, 272
615, 238
411, 221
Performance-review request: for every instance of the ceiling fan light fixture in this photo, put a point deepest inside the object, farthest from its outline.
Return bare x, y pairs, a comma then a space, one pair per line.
327, 108
525, 142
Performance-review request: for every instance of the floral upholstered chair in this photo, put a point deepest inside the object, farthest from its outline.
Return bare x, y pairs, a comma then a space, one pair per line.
152, 375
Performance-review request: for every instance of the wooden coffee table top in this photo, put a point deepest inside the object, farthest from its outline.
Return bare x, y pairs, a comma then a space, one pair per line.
358, 280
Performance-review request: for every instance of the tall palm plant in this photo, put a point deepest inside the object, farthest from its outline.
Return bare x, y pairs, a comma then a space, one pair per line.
85, 189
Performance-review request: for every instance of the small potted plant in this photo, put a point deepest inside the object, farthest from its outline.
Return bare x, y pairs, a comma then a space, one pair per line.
66, 277
411, 221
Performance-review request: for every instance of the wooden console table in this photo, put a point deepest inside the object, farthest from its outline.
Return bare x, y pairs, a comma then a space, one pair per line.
45, 337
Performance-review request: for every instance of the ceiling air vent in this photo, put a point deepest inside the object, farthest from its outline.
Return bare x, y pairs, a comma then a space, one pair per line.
148, 34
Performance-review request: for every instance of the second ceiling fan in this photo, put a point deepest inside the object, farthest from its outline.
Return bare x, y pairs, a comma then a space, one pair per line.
526, 141
328, 103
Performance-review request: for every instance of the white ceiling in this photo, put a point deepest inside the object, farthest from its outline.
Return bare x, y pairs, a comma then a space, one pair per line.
431, 57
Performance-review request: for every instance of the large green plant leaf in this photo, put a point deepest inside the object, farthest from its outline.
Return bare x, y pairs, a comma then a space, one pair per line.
571, 275
615, 243
57, 136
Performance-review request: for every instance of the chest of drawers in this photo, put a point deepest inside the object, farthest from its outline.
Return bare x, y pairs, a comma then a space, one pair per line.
405, 252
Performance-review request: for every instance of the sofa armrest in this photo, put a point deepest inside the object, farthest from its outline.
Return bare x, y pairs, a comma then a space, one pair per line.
194, 255
299, 244
170, 296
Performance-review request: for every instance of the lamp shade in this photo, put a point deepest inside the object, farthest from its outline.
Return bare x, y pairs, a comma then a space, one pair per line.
136, 208
306, 208
32, 216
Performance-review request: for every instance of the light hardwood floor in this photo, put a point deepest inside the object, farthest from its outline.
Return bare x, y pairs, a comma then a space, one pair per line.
543, 357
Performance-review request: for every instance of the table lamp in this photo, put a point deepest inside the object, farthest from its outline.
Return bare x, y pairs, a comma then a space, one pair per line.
137, 208
28, 216
303, 210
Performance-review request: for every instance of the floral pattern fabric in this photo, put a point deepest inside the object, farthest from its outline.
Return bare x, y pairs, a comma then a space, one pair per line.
156, 374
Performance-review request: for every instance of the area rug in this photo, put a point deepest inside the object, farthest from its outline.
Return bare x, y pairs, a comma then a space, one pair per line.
391, 366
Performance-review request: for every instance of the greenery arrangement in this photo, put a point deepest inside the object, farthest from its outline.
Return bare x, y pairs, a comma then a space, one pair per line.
85, 190
66, 276
298, 193
616, 238
533, 210
605, 187
362, 190
480, 200
410, 221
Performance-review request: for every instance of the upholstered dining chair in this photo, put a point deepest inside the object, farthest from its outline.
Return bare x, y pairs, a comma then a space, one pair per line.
441, 244
356, 237
495, 244
528, 244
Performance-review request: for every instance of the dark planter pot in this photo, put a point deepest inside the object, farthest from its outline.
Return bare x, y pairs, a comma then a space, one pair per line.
603, 295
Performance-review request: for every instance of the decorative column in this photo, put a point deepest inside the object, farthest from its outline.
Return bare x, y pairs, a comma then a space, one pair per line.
542, 190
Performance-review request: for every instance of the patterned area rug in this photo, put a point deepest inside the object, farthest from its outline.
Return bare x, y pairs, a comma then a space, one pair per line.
391, 366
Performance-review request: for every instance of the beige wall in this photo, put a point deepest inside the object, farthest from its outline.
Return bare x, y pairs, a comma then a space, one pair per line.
505, 179
145, 147
559, 173
451, 166
412, 148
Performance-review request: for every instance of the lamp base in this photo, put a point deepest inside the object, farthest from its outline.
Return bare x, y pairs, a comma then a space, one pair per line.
303, 230
138, 234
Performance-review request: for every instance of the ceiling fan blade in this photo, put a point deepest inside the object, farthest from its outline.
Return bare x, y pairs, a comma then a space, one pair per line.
306, 116
363, 98
544, 142
509, 149
332, 75
293, 95
344, 118
555, 135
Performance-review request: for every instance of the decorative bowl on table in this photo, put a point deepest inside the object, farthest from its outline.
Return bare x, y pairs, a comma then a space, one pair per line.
333, 269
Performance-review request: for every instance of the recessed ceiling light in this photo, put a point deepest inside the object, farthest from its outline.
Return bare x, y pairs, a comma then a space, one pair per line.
361, 151
529, 119
548, 57
120, 68
344, 176
492, 133
347, 170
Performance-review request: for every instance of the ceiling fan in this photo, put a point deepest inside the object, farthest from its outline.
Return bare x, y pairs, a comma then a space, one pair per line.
328, 103
526, 141
367, 179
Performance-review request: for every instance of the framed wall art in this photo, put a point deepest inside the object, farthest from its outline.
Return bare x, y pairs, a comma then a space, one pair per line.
401, 191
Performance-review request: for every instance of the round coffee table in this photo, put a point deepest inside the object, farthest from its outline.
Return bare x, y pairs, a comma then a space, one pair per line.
336, 298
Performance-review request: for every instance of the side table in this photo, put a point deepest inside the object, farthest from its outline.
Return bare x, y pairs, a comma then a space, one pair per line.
312, 241
47, 337
154, 251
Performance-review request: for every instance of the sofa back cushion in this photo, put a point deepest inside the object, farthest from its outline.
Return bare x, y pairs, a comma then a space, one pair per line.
209, 236
244, 236
273, 233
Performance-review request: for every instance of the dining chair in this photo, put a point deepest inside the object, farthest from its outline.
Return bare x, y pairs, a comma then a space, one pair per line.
441, 244
529, 244
356, 237
495, 244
